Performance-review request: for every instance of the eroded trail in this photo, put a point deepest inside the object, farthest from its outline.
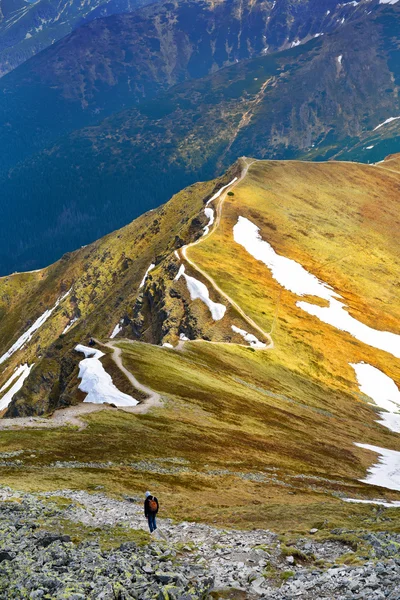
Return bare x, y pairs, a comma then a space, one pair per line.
184, 249
153, 398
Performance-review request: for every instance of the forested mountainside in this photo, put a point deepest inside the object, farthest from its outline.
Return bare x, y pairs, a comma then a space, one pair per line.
255, 347
317, 100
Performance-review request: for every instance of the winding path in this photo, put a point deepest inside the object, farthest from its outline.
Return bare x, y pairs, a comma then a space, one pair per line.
184, 250
153, 398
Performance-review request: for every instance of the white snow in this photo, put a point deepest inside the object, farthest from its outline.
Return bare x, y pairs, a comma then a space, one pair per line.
198, 290
387, 120
382, 390
217, 194
339, 59
378, 386
167, 345
89, 352
336, 315
287, 272
117, 329
209, 212
180, 272
70, 324
388, 1
145, 275
26, 337
22, 372
386, 472
97, 383
293, 277
183, 337
369, 147
394, 504
248, 337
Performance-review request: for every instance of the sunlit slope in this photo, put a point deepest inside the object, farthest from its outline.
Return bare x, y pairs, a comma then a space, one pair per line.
339, 221
103, 281
279, 422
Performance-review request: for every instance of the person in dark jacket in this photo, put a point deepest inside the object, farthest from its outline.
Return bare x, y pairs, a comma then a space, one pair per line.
151, 507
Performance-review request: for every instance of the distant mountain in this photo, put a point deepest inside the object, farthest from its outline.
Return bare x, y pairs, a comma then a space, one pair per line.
315, 101
29, 27
117, 62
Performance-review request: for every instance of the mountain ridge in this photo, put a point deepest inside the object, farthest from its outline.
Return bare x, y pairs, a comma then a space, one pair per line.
137, 158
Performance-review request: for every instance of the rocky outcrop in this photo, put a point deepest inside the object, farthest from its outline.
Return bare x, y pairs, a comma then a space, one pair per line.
185, 561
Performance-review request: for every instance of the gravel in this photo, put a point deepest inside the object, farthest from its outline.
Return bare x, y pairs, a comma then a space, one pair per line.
184, 561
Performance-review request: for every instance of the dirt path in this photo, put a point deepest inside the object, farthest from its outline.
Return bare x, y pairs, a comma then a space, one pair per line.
60, 418
71, 416
184, 250
153, 398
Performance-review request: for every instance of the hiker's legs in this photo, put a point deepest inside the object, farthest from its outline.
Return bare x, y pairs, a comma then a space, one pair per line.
152, 522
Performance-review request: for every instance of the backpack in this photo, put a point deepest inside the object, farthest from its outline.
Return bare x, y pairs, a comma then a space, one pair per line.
153, 505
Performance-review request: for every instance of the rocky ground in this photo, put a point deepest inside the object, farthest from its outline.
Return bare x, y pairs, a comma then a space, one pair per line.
41, 558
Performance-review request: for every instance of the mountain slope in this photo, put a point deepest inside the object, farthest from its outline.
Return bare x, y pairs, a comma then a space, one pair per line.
116, 62
303, 102
30, 27
278, 417
27, 28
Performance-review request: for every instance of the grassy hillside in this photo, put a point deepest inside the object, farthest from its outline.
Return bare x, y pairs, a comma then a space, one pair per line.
235, 422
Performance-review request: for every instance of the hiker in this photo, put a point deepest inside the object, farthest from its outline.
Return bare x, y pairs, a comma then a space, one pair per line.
150, 510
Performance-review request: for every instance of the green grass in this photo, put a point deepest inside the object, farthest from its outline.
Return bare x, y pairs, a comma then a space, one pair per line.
266, 438
216, 422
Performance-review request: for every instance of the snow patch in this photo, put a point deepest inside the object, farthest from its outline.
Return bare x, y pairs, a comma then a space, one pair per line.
26, 337
180, 272
209, 212
167, 345
217, 194
339, 59
145, 275
287, 272
293, 277
378, 386
183, 337
22, 372
394, 504
198, 290
97, 383
336, 315
369, 147
387, 120
248, 337
382, 390
70, 324
117, 329
386, 472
